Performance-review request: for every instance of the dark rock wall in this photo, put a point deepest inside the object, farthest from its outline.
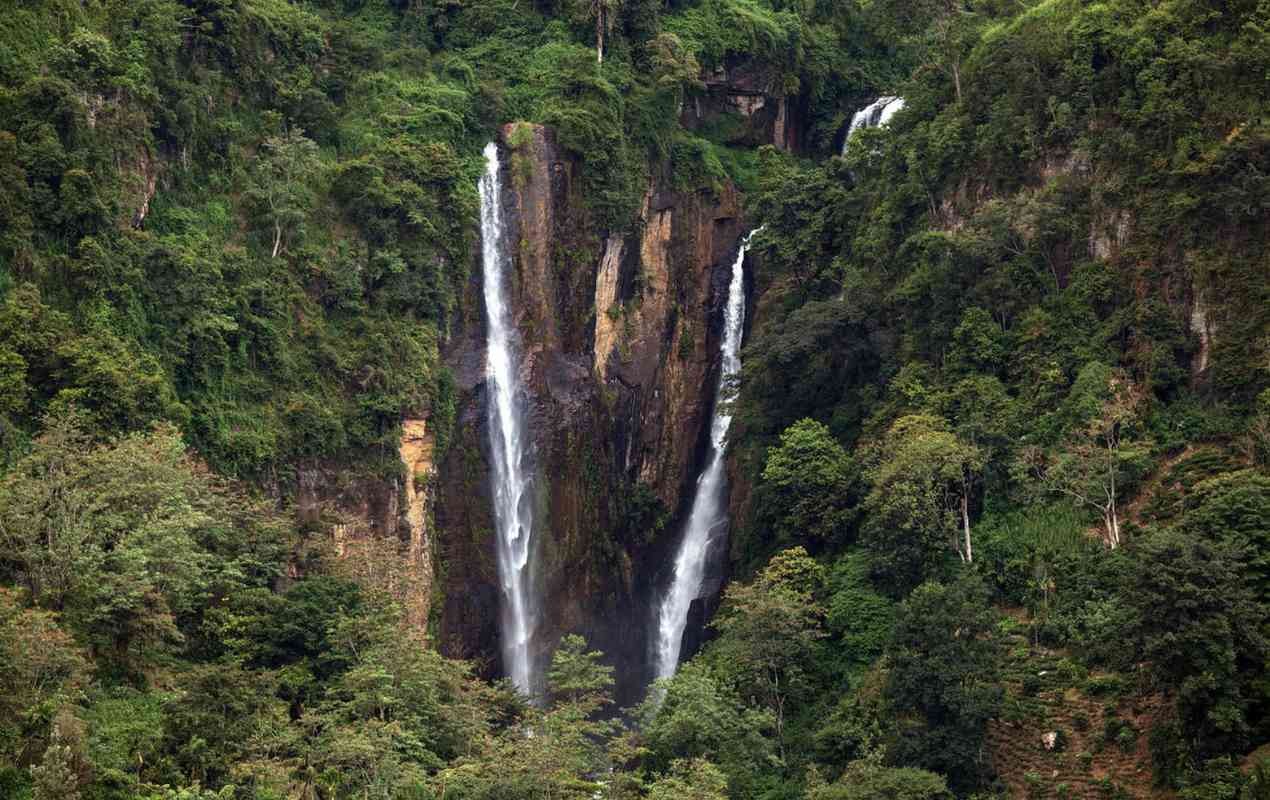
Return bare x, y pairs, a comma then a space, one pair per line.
620, 339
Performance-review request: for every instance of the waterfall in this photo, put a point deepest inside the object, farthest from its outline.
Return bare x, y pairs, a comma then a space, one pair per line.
707, 519
509, 442
874, 115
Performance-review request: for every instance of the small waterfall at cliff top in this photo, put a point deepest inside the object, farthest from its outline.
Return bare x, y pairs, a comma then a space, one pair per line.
509, 440
874, 115
707, 519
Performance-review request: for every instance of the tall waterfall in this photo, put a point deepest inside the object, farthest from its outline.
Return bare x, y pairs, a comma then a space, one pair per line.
513, 500
874, 115
708, 518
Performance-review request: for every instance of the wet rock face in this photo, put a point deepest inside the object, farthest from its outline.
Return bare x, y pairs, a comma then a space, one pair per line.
619, 332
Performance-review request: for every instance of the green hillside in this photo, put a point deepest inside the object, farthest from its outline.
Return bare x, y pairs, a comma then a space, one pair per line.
1000, 454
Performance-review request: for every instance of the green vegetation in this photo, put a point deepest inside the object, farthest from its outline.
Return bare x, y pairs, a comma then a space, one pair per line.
1005, 411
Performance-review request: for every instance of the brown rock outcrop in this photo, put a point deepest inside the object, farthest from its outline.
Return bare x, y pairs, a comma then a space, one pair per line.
417, 447
380, 528
748, 91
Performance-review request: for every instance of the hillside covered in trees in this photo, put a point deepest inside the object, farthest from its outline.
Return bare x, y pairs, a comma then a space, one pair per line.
996, 507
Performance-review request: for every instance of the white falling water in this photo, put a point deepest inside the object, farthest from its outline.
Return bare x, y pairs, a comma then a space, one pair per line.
513, 512
708, 518
874, 115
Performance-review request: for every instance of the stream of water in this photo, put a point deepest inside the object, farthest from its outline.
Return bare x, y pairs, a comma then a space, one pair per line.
708, 519
509, 442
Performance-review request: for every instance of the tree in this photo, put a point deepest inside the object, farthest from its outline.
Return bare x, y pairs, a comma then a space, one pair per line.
807, 215
15, 208
44, 672
694, 717
54, 778
854, 730
859, 619
212, 723
806, 488
985, 416
280, 186
1199, 624
553, 753
49, 540
128, 537
697, 779
1234, 507
62, 770
576, 675
1256, 442
950, 35
942, 32
865, 780
603, 13
1098, 459
675, 66
768, 632
919, 504
978, 344
396, 681
942, 685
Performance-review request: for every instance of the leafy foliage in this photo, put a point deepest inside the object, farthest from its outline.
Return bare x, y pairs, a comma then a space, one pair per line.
245, 226
942, 686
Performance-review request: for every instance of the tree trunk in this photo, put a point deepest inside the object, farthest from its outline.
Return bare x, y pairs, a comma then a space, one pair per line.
277, 239
969, 555
1112, 524
599, 37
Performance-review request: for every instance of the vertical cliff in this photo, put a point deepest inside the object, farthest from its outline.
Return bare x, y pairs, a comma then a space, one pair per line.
618, 332
381, 529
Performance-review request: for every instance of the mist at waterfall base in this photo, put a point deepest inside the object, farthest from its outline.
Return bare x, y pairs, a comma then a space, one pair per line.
707, 520
874, 115
509, 442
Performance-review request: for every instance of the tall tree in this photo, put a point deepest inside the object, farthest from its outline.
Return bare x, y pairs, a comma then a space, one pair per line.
603, 13
806, 487
60, 773
768, 630
577, 675
697, 717
943, 683
281, 188
941, 32
1098, 460
44, 672
128, 537
919, 505
690, 780
1198, 622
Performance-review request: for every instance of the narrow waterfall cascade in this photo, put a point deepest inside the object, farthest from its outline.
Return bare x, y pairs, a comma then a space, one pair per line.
874, 115
513, 501
707, 520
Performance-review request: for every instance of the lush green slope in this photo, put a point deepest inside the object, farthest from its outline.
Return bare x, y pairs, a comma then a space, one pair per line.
251, 218
1027, 321
1040, 294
